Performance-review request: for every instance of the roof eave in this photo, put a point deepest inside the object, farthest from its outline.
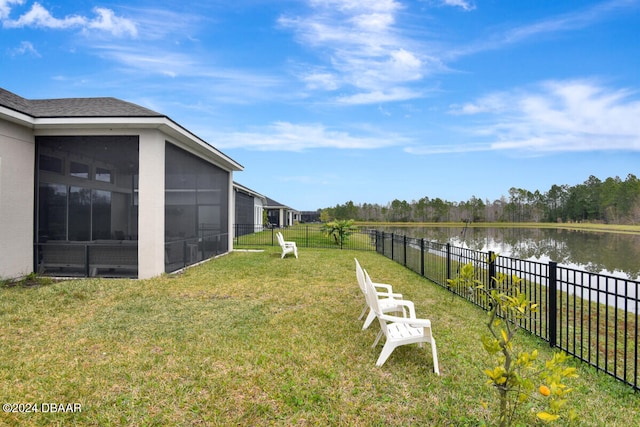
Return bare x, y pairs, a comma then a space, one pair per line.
16, 117
239, 187
161, 123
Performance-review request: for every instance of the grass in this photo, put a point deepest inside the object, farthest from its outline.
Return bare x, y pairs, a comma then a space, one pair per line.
305, 236
250, 339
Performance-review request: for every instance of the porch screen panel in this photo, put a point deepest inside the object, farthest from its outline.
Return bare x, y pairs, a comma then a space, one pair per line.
79, 214
244, 214
52, 212
87, 205
196, 218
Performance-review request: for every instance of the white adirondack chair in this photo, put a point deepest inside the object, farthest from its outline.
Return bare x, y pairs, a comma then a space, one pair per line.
400, 330
287, 247
386, 298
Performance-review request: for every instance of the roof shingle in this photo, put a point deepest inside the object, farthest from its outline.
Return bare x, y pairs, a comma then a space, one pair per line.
74, 107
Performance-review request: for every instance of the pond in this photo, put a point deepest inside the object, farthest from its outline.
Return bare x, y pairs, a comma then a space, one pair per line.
614, 254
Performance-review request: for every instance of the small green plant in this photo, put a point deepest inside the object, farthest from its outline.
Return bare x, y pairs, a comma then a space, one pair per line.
340, 230
32, 279
512, 375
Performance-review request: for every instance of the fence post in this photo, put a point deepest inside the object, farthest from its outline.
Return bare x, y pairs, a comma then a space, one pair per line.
87, 269
184, 253
422, 257
404, 250
552, 311
492, 269
393, 246
448, 261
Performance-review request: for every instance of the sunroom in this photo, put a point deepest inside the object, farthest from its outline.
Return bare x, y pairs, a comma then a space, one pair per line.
118, 190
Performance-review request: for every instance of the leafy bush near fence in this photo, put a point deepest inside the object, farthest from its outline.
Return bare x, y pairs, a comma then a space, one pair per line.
514, 377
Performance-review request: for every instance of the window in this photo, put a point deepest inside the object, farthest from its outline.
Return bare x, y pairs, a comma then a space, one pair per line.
79, 170
79, 214
52, 212
101, 215
99, 205
103, 175
50, 164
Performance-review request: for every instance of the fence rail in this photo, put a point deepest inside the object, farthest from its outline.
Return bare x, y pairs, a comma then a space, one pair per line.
305, 236
593, 317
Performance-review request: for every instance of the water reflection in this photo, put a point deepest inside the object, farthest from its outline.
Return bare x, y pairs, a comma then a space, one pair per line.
596, 252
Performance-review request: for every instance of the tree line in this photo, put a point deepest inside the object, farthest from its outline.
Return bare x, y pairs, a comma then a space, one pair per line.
612, 201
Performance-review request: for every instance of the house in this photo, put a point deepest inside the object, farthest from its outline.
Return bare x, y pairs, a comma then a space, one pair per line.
280, 215
310, 216
104, 187
249, 210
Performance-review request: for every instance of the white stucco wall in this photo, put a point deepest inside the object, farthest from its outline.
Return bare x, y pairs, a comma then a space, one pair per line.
258, 209
151, 204
231, 212
17, 159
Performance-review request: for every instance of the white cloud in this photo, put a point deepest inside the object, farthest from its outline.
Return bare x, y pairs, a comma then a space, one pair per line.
572, 21
38, 16
391, 95
465, 5
575, 115
5, 7
363, 49
446, 149
149, 61
321, 80
358, 5
25, 48
105, 21
373, 21
491, 103
285, 136
405, 65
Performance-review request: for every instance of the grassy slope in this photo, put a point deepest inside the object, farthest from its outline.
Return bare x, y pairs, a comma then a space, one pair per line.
250, 339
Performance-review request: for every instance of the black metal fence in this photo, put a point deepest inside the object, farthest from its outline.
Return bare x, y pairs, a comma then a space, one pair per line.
593, 317
181, 253
305, 236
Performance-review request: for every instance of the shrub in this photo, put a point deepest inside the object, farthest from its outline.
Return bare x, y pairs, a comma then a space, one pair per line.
514, 369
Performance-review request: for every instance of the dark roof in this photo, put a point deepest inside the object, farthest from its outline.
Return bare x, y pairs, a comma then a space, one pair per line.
247, 190
272, 203
73, 107
93, 108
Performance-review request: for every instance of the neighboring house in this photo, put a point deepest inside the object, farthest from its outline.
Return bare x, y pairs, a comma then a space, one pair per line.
280, 215
104, 187
310, 216
249, 207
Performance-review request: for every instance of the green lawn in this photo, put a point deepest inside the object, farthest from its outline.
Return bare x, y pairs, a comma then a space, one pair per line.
251, 339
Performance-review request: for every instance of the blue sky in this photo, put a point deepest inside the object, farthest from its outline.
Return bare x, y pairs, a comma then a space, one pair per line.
327, 101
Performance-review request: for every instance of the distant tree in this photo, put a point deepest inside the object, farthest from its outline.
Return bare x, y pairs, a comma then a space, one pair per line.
612, 200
